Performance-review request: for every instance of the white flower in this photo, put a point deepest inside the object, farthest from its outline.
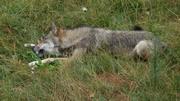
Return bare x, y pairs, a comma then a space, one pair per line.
84, 9
147, 13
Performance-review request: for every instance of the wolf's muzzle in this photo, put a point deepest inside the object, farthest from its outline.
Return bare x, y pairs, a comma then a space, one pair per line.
40, 53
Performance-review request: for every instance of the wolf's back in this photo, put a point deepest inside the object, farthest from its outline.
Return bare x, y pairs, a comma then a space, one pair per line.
129, 39
93, 38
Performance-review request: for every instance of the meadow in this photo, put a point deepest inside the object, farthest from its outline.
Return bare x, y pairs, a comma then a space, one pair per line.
93, 77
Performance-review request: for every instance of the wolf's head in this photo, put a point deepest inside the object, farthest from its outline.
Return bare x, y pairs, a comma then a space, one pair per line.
50, 43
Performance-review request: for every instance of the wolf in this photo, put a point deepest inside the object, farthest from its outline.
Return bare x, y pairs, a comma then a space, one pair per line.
73, 43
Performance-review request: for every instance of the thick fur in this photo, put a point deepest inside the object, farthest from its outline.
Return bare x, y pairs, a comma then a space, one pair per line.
79, 40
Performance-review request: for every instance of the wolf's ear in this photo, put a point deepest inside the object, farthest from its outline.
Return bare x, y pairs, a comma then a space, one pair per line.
60, 33
54, 28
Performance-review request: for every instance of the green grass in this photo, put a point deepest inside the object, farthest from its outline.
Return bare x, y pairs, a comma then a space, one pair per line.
97, 78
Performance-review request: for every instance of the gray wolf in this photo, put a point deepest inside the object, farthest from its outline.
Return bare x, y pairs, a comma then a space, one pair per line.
76, 42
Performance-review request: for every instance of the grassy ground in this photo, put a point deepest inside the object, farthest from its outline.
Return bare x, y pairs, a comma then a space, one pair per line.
98, 78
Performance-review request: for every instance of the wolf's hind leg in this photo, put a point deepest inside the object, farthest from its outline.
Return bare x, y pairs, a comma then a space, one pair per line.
143, 50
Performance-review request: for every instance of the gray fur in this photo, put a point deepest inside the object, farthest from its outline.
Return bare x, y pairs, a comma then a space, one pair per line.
94, 38
91, 39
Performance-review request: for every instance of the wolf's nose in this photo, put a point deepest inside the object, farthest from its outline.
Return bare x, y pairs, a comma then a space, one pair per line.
41, 51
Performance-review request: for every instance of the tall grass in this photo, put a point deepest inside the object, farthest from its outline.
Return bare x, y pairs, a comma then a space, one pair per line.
93, 77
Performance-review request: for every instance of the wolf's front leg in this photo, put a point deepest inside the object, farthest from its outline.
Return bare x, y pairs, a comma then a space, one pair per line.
77, 53
48, 60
